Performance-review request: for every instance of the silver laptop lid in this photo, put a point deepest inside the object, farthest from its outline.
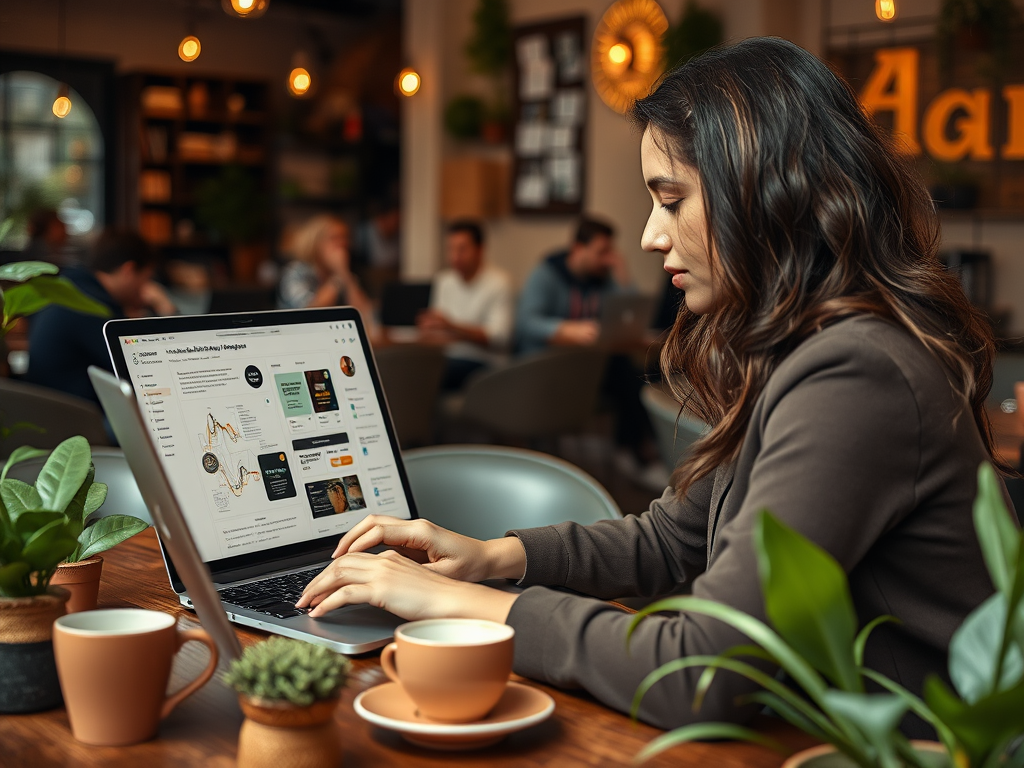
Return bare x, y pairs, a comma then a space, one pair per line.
271, 427
119, 404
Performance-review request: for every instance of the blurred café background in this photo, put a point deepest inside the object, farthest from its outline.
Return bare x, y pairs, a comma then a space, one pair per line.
285, 153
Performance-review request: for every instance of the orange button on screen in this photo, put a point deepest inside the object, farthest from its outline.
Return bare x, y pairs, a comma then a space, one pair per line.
340, 461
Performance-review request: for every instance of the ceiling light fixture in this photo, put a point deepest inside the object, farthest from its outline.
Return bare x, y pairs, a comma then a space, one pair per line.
62, 104
189, 48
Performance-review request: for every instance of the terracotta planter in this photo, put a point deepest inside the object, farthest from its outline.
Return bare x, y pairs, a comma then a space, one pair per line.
27, 668
82, 580
280, 735
932, 753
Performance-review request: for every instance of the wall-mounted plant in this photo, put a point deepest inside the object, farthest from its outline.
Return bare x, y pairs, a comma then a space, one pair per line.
489, 52
698, 30
464, 117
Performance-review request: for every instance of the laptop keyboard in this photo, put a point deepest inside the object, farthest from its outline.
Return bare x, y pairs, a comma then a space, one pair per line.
275, 596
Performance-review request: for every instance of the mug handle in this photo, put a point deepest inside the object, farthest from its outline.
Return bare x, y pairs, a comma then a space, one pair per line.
184, 636
387, 662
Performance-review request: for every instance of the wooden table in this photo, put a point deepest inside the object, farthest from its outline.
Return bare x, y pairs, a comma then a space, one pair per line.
203, 730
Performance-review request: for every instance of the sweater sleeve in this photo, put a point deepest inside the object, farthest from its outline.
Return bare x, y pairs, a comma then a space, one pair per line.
837, 461
536, 321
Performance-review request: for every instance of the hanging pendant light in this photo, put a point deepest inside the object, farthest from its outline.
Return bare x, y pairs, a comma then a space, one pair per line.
62, 104
885, 10
408, 82
300, 78
245, 9
189, 48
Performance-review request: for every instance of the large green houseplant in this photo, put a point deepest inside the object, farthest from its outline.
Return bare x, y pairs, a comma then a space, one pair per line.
814, 639
41, 526
288, 691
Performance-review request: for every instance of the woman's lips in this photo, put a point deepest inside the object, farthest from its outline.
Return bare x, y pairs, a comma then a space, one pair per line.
678, 277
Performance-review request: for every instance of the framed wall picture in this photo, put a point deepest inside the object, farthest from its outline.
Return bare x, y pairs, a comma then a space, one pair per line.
550, 116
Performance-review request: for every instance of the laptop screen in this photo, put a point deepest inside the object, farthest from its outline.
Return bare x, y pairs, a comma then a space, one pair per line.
270, 435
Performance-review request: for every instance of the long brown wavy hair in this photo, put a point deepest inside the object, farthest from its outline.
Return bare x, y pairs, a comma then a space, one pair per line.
812, 215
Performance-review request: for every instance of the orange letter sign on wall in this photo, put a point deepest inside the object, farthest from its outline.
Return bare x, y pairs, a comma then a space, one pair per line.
893, 87
972, 128
1013, 149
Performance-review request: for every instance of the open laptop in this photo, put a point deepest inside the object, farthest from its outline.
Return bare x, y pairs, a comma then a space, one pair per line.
626, 318
400, 303
272, 436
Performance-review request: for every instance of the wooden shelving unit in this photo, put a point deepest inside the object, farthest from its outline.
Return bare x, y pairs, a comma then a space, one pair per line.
181, 131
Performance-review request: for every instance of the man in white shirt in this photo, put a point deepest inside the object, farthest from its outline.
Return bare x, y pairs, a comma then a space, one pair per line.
470, 306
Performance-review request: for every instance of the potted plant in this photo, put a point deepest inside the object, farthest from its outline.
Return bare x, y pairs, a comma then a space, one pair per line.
814, 639
698, 30
980, 27
234, 209
288, 691
489, 51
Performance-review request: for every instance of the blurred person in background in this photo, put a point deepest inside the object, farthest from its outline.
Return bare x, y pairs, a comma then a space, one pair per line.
470, 306
47, 237
377, 247
64, 343
561, 306
319, 273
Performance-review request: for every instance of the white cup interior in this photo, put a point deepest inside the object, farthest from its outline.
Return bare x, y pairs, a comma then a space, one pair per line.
454, 632
114, 621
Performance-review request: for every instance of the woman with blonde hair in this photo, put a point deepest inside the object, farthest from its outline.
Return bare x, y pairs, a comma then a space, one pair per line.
318, 274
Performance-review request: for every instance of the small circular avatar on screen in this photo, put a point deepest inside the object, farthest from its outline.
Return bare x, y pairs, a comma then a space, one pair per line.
348, 366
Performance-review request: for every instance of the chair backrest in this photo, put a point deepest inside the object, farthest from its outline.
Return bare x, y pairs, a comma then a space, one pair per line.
552, 392
675, 432
411, 376
123, 496
44, 417
483, 491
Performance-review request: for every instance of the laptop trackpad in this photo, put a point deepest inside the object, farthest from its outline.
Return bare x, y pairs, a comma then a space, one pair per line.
351, 624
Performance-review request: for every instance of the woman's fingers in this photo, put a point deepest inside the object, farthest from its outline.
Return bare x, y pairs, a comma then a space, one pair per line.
350, 594
380, 529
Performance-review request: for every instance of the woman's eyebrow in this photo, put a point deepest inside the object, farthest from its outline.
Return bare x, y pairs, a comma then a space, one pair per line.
661, 183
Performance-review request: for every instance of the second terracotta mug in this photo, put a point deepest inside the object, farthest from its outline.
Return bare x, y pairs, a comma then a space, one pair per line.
114, 666
454, 670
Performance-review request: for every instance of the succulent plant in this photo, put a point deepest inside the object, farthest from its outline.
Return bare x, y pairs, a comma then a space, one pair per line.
288, 670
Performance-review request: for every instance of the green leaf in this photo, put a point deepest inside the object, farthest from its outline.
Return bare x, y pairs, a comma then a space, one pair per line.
876, 716
108, 532
97, 494
974, 653
981, 728
32, 520
705, 731
20, 271
48, 546
75, 510
998, 536
64, 472
708, 675
784, 710
28, 298
807, 598
864, 634
915, 705
12, 578
22, 453
17, 497
786, 657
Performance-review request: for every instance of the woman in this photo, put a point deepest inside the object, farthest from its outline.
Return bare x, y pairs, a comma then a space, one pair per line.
842, 369
319, 274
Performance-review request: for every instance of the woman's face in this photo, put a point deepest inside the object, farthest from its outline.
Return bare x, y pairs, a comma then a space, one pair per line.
677, 227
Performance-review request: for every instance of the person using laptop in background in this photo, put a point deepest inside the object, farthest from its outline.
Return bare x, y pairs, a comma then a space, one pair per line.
561, 304
64, 343
470, 306
319, 273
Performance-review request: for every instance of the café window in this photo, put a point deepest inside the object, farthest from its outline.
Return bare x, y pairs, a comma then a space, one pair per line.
47, 162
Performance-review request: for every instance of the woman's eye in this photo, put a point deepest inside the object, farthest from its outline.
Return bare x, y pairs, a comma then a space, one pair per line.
673, 206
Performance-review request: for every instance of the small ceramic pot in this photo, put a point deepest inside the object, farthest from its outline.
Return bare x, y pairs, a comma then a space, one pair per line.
932, 754
27, 667
82, 580
277, 734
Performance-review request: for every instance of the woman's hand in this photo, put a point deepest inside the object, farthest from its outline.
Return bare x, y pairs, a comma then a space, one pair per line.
401, 586
444, 552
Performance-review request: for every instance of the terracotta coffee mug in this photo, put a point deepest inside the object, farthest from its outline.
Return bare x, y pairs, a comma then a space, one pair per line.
114, 666
454, 670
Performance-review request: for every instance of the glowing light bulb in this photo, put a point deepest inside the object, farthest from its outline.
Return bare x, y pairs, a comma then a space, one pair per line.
885, 10
62, 104
408, 81
620, 53
246, 9
299, 81
189, 48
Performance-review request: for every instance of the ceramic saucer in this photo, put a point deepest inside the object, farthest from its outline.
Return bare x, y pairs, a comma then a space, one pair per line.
388, 706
